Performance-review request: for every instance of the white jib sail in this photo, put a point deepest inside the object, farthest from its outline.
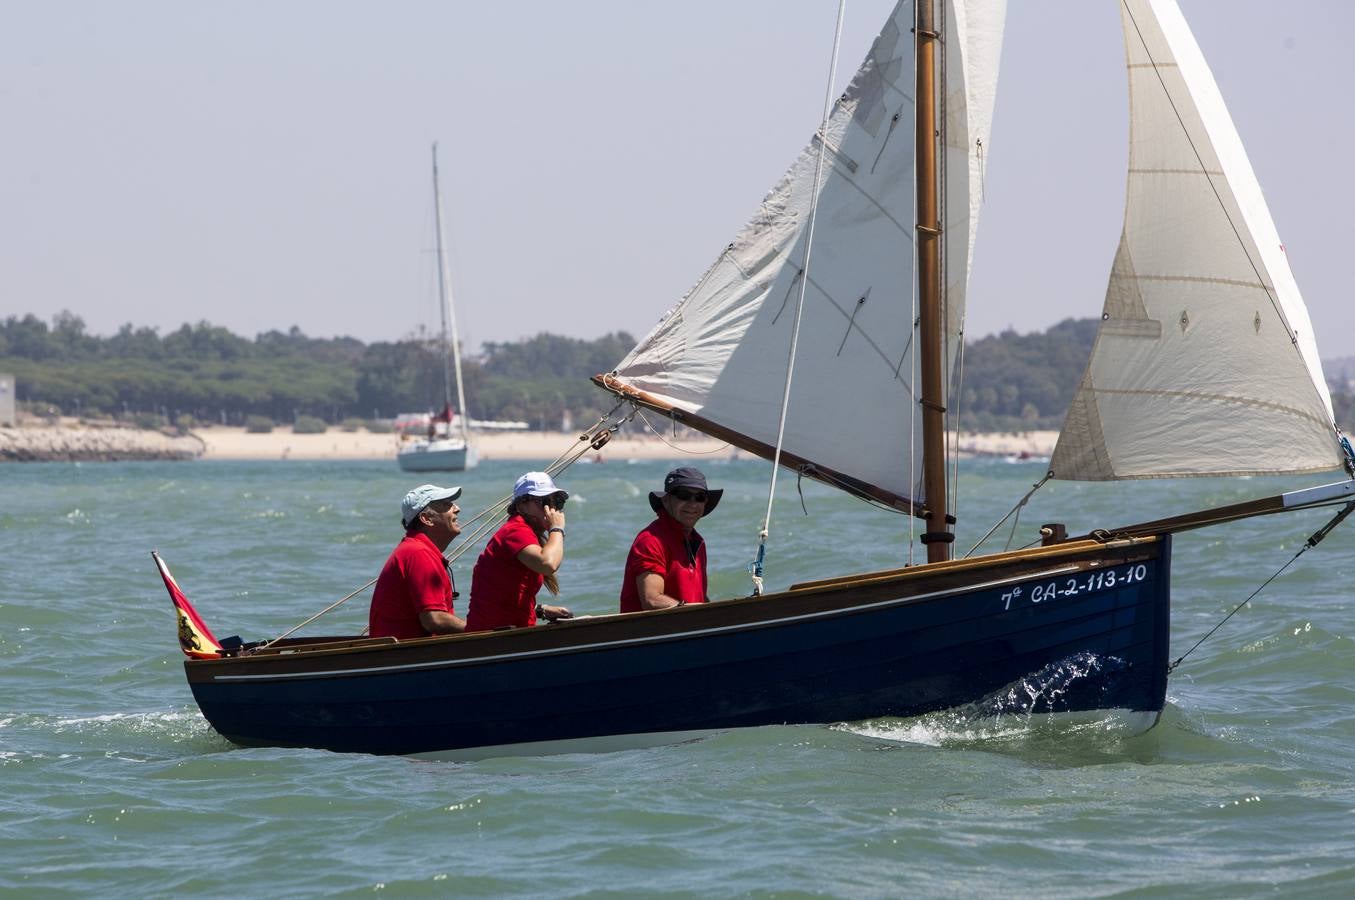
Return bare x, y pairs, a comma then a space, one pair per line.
1205, 363
721, 353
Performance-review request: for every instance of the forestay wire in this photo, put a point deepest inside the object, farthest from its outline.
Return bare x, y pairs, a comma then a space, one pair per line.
755, 567
1313, 540
1016, 511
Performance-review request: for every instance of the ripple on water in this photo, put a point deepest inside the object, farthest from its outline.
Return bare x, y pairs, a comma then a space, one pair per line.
115, 784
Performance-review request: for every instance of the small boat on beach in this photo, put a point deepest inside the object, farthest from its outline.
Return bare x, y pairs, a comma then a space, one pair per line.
851, 277
443, 449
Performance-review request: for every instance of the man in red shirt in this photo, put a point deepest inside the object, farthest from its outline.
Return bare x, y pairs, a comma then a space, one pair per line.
523, 555
666, 566
414, 593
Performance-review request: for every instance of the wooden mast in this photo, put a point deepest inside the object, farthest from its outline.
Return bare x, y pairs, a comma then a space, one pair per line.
938, 536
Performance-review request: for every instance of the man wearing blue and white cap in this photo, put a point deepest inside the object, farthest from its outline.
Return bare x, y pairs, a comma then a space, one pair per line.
524, 554
414, 593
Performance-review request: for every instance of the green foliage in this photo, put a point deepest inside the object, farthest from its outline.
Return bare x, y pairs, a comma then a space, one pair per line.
1023, 381
309, 425
258, 424
352, 424
380, 426
149, 420
203, 373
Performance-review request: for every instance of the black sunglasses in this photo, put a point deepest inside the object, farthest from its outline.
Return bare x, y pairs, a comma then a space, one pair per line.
693, 496
554, 501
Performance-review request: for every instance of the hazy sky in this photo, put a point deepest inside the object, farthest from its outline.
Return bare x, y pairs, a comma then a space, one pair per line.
266, 164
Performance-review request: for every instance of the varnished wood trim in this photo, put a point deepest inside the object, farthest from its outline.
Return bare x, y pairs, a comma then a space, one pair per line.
966, 565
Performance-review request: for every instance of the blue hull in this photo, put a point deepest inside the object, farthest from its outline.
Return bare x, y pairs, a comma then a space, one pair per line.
860, 648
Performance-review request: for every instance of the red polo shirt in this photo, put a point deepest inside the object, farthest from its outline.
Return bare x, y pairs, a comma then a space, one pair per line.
413, 579
662, 548
502, 589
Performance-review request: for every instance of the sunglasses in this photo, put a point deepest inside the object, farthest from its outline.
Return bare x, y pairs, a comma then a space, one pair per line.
690, 496
554, 501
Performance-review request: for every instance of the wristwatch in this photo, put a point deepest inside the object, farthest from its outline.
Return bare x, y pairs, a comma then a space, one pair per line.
555, 528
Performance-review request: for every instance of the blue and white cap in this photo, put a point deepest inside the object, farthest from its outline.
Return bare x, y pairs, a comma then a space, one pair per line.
536, 484
418, 499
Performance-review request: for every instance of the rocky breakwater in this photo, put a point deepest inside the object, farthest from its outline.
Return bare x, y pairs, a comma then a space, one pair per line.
89, 443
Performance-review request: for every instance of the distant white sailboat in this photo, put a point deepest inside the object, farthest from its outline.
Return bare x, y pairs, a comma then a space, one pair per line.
444, 449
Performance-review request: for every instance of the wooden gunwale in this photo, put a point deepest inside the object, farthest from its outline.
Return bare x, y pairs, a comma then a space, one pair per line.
810, 600
965, 565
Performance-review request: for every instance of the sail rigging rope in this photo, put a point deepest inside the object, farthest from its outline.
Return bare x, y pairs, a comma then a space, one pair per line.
755, 567
956, 392
943, 275
1015, 510
1313, 540
658, 434
494, 514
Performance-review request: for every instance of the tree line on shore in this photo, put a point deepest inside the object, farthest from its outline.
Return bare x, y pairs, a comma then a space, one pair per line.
205, 374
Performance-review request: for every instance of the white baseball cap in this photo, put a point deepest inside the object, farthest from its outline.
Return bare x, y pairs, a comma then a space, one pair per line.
418, 499
536, 484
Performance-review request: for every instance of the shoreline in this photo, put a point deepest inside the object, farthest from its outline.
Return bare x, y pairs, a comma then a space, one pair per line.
235, 443
83, 442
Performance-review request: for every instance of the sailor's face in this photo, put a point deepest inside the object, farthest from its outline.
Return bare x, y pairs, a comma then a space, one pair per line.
686, 506
443, 514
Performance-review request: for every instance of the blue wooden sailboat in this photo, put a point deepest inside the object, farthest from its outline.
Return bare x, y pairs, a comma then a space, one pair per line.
854, 269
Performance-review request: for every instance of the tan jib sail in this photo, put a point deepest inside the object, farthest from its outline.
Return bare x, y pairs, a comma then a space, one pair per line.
1205, 363
721, 354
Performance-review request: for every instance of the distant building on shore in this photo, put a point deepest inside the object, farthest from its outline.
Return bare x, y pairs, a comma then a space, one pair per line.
7, 417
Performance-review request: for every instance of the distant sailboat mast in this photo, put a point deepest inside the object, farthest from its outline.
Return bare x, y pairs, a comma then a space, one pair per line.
938, 536
448, 318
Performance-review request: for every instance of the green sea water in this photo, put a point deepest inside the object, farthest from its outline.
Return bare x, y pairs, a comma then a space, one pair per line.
113, 784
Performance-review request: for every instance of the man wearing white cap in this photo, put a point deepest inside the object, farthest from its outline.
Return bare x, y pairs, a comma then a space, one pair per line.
523, 554
415, 592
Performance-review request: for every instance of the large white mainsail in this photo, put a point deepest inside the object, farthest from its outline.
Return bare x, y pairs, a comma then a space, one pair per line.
1205, 362
721, 353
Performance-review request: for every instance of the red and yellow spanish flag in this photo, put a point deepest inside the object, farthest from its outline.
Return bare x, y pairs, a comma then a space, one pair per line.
195, 638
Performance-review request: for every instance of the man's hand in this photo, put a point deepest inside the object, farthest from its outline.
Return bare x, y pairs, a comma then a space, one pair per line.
551, 613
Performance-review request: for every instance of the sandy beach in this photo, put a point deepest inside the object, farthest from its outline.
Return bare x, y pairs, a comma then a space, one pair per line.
235, 443
76, 441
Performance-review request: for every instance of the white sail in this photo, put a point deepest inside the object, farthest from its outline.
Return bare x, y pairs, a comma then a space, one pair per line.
1205, 363
972, 55
722, 352
441, 451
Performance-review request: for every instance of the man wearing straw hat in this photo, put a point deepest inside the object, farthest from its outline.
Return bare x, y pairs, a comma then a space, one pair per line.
414, 593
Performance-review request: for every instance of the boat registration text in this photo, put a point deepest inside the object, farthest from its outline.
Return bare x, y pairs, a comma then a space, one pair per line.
1088, 583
